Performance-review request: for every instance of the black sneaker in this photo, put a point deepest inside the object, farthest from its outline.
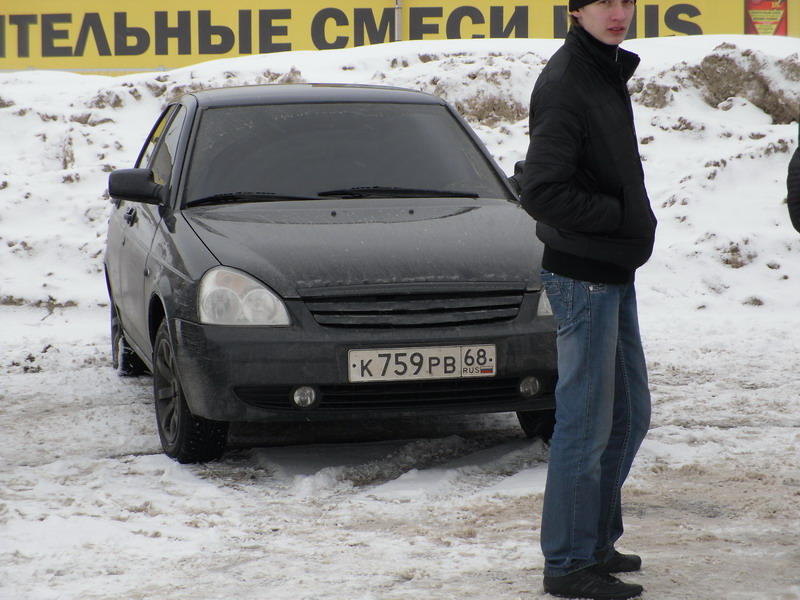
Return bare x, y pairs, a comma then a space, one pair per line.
622, 563
592, 583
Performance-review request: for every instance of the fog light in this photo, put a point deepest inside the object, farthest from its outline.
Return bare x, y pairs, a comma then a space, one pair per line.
305, 396
530, 387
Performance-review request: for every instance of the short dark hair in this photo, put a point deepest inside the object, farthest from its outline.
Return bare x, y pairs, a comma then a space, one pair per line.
573, 21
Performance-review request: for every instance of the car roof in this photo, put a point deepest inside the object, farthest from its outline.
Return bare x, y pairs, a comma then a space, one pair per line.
310, 93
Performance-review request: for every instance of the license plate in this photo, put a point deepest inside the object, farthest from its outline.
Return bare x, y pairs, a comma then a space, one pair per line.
408, 364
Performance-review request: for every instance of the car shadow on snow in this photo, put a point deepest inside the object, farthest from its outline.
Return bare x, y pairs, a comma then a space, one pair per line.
409, 455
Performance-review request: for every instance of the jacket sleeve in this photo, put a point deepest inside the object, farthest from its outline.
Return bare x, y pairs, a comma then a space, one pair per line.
555, 190
793, 188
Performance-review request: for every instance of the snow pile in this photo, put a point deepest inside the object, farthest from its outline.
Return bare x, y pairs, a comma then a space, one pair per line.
445, 508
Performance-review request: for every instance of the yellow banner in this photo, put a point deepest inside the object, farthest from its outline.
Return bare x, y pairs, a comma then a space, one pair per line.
92, 35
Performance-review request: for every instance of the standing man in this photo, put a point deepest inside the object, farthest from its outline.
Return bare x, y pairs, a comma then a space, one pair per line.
583, 183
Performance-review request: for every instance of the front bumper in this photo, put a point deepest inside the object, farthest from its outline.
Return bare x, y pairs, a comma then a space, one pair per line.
248, 373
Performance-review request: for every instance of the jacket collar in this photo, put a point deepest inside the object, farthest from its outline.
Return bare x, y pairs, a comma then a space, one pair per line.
579, 41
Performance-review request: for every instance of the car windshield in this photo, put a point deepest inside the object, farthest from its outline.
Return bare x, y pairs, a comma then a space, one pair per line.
308, 149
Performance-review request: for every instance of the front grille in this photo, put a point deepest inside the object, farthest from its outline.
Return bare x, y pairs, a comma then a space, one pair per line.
417, 305
392, 396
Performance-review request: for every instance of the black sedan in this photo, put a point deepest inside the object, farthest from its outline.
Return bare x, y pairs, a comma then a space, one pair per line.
307, 252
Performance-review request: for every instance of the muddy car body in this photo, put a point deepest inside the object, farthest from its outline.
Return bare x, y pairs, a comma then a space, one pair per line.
308, 252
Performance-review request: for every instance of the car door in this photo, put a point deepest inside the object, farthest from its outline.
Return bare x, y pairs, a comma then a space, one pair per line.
138, 223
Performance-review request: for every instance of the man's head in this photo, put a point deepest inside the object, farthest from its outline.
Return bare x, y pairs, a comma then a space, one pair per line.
606, 20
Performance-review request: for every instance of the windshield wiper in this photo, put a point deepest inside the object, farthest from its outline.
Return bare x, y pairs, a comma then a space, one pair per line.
246, 197
390, 192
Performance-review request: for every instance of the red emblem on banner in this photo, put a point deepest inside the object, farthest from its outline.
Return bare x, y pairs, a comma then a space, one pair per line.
765, 17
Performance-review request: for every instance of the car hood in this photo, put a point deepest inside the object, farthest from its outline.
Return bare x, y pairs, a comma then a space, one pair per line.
292, 246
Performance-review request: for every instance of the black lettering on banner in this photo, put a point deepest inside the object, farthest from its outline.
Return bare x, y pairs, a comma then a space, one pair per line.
560, 22
651, 20
453, 28
675, 23
364, 23
517, 23
122, 33
267, 30
23, 24
417, 26
206, 32
245, 32
318, 25
331, 28
181, 32
651, 23
92, 22
50, 34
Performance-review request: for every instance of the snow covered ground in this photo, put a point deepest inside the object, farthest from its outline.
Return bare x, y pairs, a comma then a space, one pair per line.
438, 508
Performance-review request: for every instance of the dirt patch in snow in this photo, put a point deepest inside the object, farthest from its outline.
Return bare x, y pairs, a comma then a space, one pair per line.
730, 72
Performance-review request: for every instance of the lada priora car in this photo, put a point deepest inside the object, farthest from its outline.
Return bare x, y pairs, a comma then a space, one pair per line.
307, 252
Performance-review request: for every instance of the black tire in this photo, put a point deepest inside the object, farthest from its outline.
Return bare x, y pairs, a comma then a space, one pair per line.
538, 423
124, 360
184, 437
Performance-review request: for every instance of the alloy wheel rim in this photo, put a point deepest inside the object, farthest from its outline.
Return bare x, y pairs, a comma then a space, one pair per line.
167, 393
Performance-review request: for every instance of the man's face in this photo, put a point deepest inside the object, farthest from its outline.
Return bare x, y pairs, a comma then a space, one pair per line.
606, 20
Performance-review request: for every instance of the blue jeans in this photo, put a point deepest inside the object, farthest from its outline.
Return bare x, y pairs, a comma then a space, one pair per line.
602, 416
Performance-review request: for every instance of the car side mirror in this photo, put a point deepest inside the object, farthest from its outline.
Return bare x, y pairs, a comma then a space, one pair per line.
516, 179
135, 185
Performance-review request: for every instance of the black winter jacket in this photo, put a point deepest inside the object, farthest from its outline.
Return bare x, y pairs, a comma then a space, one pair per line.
583, 180
793, 188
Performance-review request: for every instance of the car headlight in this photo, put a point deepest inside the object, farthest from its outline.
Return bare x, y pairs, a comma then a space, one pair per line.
230, 297
544, 309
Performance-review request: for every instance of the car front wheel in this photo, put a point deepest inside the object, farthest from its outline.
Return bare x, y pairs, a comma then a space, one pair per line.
184, 437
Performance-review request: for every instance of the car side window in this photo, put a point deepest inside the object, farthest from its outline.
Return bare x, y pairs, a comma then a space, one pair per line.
164, 158
155, 136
